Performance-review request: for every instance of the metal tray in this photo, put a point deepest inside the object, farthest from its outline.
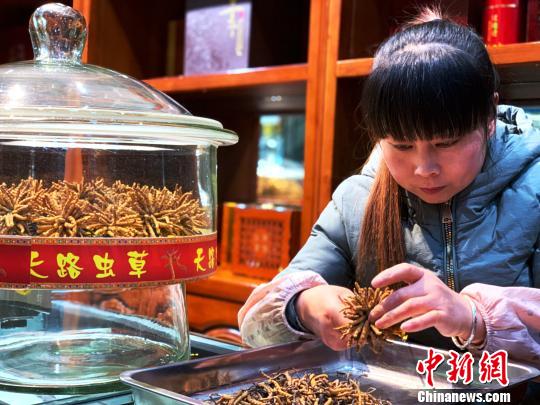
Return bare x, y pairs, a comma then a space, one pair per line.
392, 373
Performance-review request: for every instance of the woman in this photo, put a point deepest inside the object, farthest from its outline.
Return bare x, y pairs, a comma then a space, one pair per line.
447, 203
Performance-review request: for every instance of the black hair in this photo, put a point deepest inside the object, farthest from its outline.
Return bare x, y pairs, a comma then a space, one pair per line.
430, 80
433, 79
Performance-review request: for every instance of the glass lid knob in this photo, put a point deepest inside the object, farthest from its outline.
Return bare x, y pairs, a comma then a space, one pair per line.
58, 33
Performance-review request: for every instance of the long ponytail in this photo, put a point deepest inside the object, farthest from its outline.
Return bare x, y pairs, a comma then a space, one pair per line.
381, 243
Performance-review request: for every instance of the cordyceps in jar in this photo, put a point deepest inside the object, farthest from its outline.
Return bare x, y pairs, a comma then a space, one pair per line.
107, 206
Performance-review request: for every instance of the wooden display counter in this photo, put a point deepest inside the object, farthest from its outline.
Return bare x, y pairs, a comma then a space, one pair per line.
213, 303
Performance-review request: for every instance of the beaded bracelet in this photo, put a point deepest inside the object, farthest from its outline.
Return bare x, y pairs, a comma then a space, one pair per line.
473, 328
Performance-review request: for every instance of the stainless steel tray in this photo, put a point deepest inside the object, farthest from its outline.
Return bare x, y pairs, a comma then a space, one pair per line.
392, 373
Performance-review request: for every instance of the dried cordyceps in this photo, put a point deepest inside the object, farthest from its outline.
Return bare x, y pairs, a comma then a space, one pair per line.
119, 188
91, 208
360, 330
86, 190
112, 216
60, 213
310, 389
167, 213
15, 206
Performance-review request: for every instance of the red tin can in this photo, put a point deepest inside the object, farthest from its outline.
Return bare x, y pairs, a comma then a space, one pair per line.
501, 22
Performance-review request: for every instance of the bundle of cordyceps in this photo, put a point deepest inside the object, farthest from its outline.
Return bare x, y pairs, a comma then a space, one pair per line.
310, 389
93, 209
360, 330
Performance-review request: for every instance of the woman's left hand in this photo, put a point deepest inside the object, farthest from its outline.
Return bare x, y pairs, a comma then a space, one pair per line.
425, 302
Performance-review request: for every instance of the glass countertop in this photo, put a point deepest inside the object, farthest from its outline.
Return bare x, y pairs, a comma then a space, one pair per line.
201, 346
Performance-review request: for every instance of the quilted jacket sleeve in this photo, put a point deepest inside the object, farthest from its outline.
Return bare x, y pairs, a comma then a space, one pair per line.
327, 257
323, 259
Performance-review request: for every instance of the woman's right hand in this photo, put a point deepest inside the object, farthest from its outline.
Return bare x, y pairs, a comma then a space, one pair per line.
319, 310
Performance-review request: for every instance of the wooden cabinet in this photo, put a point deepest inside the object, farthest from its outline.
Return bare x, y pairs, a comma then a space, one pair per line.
213, 303
314, 54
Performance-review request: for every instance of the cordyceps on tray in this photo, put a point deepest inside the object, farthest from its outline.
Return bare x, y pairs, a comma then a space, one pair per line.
360, 331
309, 389
93, 209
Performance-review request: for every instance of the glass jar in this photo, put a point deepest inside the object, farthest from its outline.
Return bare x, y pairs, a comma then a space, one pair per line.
107, 205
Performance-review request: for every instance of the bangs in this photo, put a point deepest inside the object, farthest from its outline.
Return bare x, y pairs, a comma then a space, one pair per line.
426, 92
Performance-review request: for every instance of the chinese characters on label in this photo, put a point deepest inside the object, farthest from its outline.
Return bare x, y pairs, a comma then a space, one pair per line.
491, 367
104, 265
35, 263
67, 264
137, 262
126, 265
198, 260
211, 261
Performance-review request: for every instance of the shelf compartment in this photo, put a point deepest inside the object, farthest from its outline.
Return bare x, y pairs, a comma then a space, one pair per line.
145, 41
239, 109
351, 141
366, 24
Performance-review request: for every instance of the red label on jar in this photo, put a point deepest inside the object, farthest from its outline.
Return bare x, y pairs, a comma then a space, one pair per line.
57, 263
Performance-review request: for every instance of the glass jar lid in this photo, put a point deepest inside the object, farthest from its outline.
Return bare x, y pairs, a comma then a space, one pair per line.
55, 95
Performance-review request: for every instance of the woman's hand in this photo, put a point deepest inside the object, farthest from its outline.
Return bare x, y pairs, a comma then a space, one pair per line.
426, 302
318, 309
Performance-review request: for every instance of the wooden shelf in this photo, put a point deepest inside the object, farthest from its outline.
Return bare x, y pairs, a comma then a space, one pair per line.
224, 285
528, 52
231, 79
354, 67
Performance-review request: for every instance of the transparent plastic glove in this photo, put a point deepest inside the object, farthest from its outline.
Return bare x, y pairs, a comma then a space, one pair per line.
319, 310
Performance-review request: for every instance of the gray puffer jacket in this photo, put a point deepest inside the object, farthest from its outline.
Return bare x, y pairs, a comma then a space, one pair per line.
495, 225
495, 220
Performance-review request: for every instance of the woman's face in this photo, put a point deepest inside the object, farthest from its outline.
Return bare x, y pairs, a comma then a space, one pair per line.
435, 170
